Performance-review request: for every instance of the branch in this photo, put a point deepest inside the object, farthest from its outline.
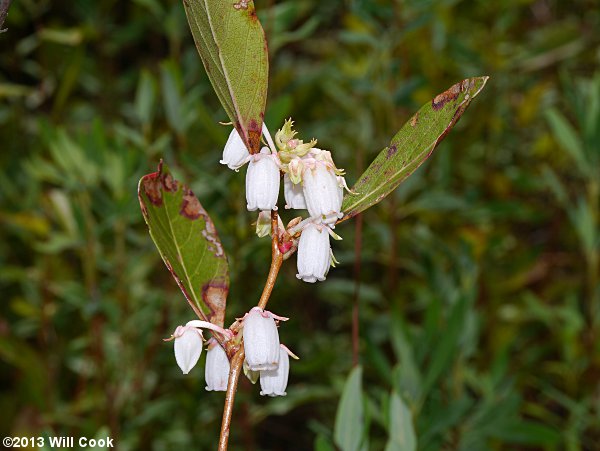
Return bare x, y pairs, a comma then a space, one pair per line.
4, 5
238, 359
234, 375
276, 261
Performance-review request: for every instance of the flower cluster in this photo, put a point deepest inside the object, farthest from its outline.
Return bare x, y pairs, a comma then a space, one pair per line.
311, 181
264, 354
189, 342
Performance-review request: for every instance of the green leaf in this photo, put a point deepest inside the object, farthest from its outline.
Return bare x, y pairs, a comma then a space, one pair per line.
568, 138
401, 430
145, 98
349, 420
411, 146
233, 49
187, 241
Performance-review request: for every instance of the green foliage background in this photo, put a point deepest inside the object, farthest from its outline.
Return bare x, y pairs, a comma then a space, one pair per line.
478, 277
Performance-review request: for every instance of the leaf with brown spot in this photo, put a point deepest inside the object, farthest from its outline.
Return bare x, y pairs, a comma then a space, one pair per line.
187, 241
411, 146
233, 49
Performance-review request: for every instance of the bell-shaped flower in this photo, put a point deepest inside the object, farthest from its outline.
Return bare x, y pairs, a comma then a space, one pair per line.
262, 181
314, 253
235, 153
189, 341
216, 370
261, 339
188, 347
274, 382
294, 194
322, 192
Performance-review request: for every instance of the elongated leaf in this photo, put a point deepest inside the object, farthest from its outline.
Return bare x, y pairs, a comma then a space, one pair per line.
187, 241
233, 48
411, 146
349, 420
401, 430
568, 138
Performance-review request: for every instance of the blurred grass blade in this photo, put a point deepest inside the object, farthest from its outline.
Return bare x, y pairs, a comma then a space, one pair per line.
401, 431
411, 146
349, 420
233, 48
145, 98
187, 241
567, 137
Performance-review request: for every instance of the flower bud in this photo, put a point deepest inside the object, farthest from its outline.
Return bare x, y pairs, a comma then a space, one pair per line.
216, 371
314, 253
235, 153
263, 224
274, 382
262, 182
261, 340
188, 347
294, 195
322, 192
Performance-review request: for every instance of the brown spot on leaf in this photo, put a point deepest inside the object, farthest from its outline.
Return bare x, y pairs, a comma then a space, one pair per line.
442, 99
169, 183
151, 185
190, 207
254, 132
214, 295
414, 120
392, 150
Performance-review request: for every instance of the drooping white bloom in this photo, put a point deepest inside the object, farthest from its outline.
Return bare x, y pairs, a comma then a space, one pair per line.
322, 192
274, 382
262, 181
261, 339
216, 371
189, 341
294, 194
188, 347
235, 153
314, 253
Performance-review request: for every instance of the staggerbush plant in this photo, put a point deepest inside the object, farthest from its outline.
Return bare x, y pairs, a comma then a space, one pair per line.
233, 49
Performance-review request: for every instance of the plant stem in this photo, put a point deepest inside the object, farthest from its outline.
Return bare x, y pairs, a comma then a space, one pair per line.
234, 375
238, 359
276, 261
4, 5
355, 304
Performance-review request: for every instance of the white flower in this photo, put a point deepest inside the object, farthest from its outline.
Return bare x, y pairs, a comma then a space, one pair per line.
314, 253
216, 371
261, 339
294, 195
322, 192
262, 181
235, 153
188, 347
189, 341
274, 382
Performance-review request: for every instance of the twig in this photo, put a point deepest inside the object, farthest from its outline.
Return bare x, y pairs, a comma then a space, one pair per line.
276, 261
234, 375
238, 359
4, 5
355, 304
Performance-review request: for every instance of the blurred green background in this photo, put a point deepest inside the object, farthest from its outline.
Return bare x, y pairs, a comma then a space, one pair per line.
479, 278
